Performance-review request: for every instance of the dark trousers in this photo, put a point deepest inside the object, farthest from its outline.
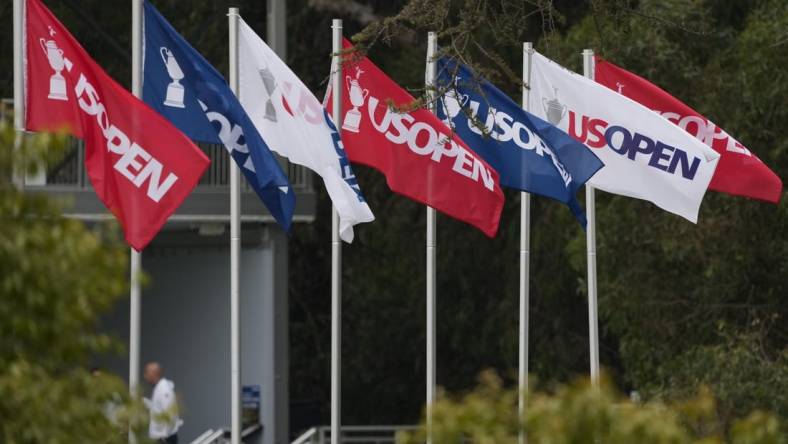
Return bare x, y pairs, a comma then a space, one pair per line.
172, 439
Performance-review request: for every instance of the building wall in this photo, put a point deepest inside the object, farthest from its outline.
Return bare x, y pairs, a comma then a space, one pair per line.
186, 327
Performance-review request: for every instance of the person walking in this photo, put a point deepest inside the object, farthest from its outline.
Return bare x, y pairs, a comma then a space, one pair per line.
162, 405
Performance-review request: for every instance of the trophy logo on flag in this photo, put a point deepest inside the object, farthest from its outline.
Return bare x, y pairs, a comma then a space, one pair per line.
554, 109
452, 105
270, 85
620, 87
358, 95
57, 83
175, 90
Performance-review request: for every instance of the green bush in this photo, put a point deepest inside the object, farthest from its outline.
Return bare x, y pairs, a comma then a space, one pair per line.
580, 413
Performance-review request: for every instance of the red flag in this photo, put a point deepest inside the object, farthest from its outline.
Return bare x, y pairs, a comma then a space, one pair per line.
140, 165
419, 155
739, 171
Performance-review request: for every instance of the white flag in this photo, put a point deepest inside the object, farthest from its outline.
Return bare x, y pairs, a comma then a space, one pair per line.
294, 124
645, 155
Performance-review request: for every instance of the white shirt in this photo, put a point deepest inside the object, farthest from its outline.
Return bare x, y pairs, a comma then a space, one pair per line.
163, 407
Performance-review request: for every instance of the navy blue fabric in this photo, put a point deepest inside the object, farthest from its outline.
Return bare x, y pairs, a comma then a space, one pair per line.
211, 113
529, 153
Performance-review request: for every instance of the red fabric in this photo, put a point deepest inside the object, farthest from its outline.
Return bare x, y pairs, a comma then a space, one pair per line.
739, 171
417, 153
140, 165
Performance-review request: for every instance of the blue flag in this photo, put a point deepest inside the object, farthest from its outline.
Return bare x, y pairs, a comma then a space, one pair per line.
529, 154
183, 87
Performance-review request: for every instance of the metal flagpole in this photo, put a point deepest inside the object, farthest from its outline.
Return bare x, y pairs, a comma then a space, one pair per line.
432, 39
235, 254
135, 305
19, 68
18, 177
525, 260
593, 325
135, 302
336, 252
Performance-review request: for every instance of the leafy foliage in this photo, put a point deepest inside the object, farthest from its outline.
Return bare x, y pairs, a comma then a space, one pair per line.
580, 413
703, 303
56, 279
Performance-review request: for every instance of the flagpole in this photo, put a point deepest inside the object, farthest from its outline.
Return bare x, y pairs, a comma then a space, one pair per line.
18, 176
336, 252
19, 68
593, 324
431, 246
136, 260
235, 254
135, 302
525, 262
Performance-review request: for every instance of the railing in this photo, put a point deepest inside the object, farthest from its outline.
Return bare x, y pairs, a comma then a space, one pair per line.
306, 437
222, 436
210, 436
354, 434
70, 171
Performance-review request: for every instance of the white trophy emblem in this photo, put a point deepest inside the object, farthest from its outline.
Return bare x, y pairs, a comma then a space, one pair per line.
175, 89
452, 105
357, 98
57, 83
554, 109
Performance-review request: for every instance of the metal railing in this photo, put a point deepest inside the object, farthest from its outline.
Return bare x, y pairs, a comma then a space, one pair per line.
375, 434
222, 436
210, 436
70, 171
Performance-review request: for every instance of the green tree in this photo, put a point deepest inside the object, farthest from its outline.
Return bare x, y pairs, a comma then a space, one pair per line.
699, 304
56, 279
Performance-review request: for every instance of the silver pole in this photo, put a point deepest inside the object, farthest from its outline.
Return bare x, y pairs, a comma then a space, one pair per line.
135, 301
19, 86
135, 308
19, 68
276, 24
18, 175
525, 261
432, 44
136, 89
235, 254
593, 324
336, 253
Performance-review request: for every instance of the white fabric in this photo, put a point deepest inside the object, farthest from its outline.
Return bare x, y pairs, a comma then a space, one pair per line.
163, 408
568, 95
293, 124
